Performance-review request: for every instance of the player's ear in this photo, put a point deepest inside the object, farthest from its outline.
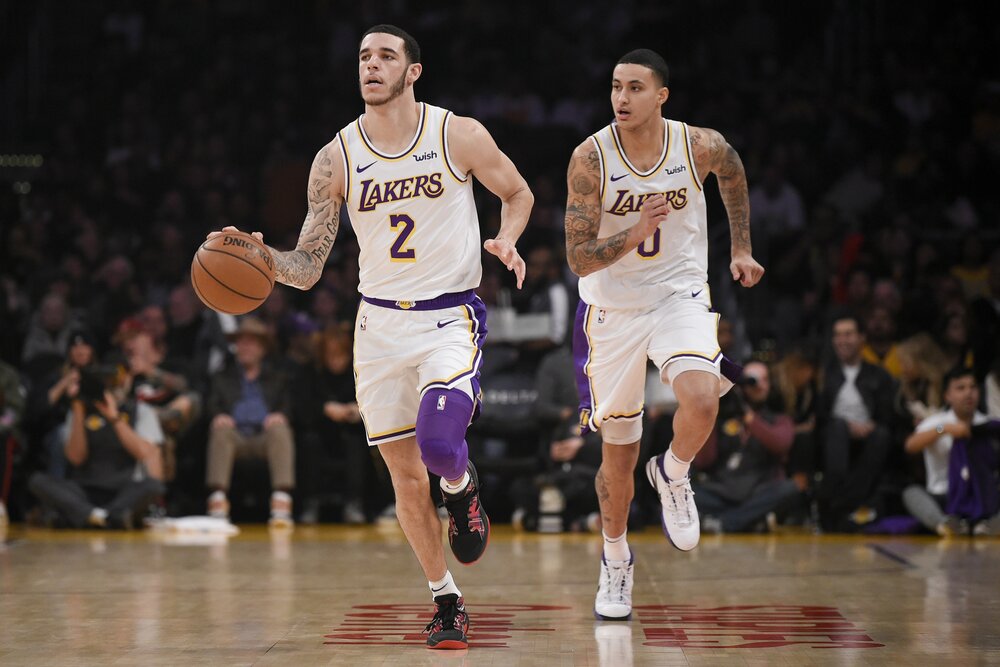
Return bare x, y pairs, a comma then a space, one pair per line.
663, 95
413, 73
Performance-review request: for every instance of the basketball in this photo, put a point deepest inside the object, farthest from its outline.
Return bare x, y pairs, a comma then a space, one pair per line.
232, 273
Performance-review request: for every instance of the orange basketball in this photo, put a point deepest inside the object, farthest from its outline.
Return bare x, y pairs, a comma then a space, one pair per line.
232, 273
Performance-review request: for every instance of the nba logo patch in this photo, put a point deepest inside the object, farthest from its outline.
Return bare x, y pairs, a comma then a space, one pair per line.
442, 399
364, 323
600, 316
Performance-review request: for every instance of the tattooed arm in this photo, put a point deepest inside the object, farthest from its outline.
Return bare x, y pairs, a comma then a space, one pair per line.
584, 251
303, 266
713, 154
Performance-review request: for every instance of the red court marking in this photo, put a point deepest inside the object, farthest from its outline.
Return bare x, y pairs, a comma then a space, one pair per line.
749, 626
386, 624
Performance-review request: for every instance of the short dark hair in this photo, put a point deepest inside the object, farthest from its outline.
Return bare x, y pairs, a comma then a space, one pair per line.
849, 315
410, 47
652, 60
957, 373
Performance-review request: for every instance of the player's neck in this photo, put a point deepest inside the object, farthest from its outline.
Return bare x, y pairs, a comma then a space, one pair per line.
391, 127
643, 143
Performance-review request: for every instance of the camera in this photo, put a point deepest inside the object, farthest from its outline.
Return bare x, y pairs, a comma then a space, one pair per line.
95, 380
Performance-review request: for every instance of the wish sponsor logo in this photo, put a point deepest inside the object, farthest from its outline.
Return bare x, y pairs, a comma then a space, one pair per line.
429, 155
675, 169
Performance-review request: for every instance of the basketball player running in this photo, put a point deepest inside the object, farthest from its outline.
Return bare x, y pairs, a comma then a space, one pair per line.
636, 235
404, 170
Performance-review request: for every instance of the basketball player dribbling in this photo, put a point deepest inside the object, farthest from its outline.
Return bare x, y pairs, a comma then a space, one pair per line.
636, 235
405, 171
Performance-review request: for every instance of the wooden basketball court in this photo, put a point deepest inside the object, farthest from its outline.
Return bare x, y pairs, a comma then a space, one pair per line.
355, 596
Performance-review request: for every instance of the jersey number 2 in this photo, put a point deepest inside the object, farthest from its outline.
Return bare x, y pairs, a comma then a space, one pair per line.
399, 252
654, 243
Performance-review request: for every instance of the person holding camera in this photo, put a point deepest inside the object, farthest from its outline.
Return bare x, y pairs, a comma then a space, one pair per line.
740, 477
113, 449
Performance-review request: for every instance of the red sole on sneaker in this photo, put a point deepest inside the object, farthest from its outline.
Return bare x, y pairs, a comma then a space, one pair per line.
487, 545
450, 644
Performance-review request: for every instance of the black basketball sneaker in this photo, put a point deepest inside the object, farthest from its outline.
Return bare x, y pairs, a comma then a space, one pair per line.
450, 624
468, 525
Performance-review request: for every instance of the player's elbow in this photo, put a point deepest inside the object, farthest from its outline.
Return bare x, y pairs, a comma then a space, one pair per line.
577, 267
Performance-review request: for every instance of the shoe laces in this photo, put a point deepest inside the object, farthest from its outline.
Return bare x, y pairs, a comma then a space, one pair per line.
682, 500
448, 616
616, 578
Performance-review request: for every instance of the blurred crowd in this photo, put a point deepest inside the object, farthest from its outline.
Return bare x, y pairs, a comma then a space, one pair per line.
871, 347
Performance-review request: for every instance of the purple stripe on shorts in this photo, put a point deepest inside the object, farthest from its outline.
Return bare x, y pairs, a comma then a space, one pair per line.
437, 303
581, 355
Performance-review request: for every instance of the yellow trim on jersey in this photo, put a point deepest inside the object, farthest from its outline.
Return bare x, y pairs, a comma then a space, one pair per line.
687, 151
347, 166
693, 353
406, 153
392, 432
475, 350
630, 415
444, 149
586, 369
603, 165
628, 165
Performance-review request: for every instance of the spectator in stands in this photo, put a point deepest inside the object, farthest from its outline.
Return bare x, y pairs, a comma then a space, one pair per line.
249, 406
48, 335
570, 460
940, 505
880, 340
331, 435
12, 407
854, 414
922, 368
50, 400
161, 383
793, 387
544, 293
113, 449
741, 469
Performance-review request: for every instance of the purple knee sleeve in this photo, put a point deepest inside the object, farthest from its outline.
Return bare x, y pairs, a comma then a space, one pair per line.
441, 423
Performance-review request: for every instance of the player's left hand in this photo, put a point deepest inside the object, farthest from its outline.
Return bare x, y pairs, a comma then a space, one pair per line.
507, 253
746, 270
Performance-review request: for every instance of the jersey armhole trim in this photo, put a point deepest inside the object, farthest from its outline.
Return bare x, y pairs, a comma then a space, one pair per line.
447, 154
689, 151
347, 167
600, 162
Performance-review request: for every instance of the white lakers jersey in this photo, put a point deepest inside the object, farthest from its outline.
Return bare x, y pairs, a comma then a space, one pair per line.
413, 213
675, 257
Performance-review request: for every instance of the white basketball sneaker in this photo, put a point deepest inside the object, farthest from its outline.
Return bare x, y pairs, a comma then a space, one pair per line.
678, 515
614, 591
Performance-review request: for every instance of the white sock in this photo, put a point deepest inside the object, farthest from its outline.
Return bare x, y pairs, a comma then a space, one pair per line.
616, 548
444, 586
98, 516
448, 488
675, 468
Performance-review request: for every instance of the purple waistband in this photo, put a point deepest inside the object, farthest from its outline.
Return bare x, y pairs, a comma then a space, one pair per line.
437, 303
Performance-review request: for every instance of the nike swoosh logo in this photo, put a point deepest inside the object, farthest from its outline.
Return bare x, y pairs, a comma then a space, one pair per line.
618, 178
446, 323
435, 590
694, 294
360, 169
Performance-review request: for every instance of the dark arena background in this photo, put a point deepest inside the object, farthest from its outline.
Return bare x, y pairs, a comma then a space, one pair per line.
870, 134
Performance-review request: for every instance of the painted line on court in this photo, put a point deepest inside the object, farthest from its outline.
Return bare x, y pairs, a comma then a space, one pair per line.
882, 551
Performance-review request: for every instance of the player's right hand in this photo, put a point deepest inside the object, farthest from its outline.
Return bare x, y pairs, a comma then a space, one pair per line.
654, 211
256, 235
